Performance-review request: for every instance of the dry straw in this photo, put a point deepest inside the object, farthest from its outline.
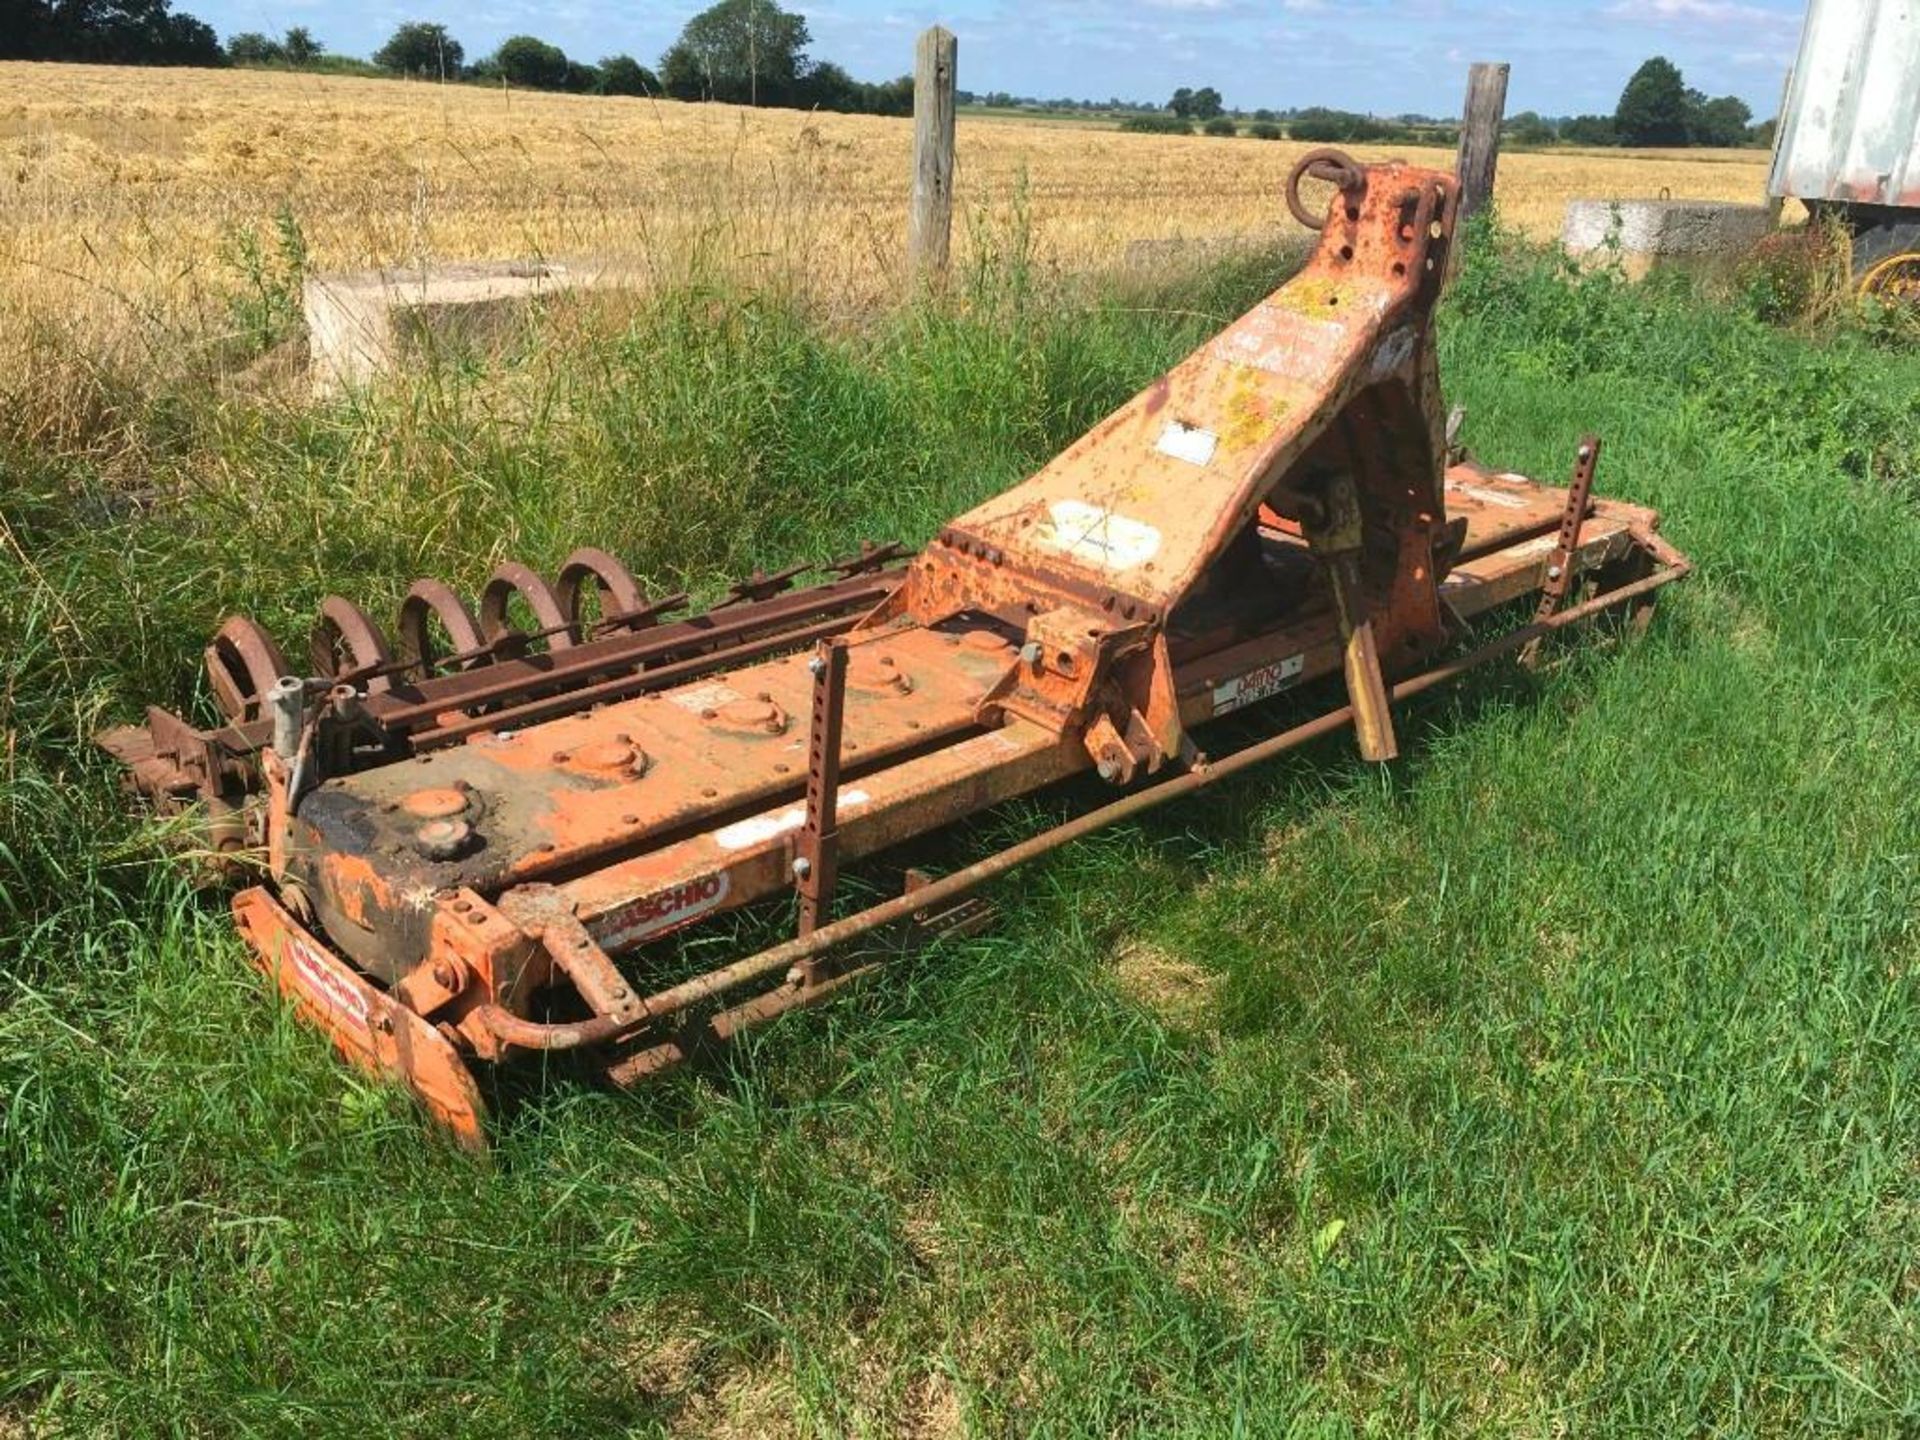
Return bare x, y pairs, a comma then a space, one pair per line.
127, 192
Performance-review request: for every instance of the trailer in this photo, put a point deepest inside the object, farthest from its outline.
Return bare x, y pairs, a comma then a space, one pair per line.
1848, 144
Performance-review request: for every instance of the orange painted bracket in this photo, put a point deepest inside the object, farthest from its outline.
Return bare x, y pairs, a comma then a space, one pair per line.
366, 1025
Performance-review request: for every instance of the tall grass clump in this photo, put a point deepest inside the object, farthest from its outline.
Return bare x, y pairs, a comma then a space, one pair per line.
1559, 1079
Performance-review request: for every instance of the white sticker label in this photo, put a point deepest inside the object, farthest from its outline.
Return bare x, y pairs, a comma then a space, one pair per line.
758, 829
710, 696
1187, 442
1096, 536
1258, 684
653, 915
1491, 497
324, 982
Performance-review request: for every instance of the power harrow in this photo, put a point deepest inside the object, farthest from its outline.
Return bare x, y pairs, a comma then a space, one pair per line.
469, 839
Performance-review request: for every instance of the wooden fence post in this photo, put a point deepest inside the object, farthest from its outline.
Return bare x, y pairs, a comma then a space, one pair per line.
930, 220
1480, 135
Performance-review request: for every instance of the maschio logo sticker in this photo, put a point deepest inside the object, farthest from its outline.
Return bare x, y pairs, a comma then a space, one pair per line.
668, 910
323, 981
1257, 684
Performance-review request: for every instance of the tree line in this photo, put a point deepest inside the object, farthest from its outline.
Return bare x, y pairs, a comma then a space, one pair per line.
742, 52
1656, 109
105, 32
752, 52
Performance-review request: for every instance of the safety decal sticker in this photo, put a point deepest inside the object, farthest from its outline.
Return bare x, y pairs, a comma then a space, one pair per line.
323, 982
1257, 684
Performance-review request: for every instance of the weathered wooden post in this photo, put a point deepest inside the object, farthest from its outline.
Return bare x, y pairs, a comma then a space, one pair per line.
1480, 134
930, 220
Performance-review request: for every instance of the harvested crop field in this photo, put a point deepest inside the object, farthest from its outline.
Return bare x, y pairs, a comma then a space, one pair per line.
1558, 1079
127, 191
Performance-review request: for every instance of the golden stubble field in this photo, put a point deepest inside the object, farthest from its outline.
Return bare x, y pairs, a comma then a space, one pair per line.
123, 192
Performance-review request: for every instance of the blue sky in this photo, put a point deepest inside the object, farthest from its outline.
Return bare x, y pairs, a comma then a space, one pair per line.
1385, 56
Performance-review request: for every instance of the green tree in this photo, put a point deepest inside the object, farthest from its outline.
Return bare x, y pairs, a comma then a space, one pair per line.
1721, 122
1589, 130
1206, 103
1653, 108
889, 97
114, 32
744, 52
531, 63
419, 48
300, 46
1182, 102
829, 87
624, 75
1528, 128
250, 47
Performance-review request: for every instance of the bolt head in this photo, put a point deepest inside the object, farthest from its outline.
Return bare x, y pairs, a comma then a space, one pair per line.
1030, 652
1553, 572
802, 867
816, 667
442, 839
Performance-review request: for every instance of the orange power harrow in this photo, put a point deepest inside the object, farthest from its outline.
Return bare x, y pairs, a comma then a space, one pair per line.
471, 839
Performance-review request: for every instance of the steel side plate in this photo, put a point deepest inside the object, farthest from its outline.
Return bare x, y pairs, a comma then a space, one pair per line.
366, 1025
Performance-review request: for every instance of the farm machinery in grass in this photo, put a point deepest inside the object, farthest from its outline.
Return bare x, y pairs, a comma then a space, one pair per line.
467, 841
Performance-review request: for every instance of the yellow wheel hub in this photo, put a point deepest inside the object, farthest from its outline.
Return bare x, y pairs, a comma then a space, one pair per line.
1895, 278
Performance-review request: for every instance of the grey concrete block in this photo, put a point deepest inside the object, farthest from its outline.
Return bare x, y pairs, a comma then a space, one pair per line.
366, 324
1653, 230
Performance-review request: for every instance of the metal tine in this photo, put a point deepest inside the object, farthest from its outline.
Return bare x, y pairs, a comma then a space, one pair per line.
762, 586
872, 556
511, 642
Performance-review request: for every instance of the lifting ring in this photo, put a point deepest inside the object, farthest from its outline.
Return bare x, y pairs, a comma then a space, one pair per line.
1329, 164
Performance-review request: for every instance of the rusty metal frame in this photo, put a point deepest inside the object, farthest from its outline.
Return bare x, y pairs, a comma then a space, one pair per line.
476, 863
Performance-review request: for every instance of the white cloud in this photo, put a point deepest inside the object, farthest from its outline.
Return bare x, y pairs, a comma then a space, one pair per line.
1703, 14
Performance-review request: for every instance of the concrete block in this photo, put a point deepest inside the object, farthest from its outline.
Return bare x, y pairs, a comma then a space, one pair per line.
1652, 232
368, 323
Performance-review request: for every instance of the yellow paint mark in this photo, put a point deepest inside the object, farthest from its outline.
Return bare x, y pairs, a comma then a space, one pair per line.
1310, 295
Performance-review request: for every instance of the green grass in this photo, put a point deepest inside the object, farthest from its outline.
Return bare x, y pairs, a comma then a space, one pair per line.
1562, 1079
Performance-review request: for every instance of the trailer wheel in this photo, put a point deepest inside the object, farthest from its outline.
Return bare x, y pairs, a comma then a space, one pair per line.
1886, 261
